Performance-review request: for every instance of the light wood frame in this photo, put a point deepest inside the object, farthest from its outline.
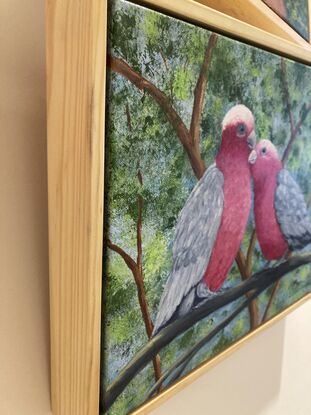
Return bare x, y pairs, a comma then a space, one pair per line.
76, 53
257, 13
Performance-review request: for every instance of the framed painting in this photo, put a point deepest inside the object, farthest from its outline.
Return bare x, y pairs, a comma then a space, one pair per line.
178, 165
295, 13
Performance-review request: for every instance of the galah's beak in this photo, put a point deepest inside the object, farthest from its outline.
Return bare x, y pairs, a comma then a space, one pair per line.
251, 140
252, 157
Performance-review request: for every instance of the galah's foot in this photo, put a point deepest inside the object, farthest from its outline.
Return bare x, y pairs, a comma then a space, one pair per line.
204, 292
284, 258
267, 264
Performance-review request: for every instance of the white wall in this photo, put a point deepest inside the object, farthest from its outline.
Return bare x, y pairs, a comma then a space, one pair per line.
270, 375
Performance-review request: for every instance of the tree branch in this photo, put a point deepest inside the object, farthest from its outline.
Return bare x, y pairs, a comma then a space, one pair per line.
184, 360
250, 253
245, 268
293, 128
126, 257
200, 90
241, 262
286, 96
271, 299
139, 275
121, 67
258, 282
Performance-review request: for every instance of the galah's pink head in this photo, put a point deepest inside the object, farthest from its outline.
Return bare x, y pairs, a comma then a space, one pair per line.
238, 132
264, 160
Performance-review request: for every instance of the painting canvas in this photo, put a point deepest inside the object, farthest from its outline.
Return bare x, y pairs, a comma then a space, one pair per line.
207, 194
294, 12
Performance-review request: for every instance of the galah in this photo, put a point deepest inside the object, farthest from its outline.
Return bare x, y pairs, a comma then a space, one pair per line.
281, 214
212, 223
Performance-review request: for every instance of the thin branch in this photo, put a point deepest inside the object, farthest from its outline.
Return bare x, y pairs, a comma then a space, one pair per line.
200, 90
136, 267
164, 59
258, 282
294, 135
241, 263
250, 253
139, 275
128, 117
125, 256
244, 266
270, 302
140, 204
293, 128
121, 67
253, 306
140, 279
167, 71
287, 97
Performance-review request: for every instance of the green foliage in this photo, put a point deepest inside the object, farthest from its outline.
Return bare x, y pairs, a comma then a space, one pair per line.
169, 53
182, 83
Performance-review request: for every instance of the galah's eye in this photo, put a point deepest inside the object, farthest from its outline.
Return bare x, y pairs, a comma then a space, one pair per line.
264, 151
241, 129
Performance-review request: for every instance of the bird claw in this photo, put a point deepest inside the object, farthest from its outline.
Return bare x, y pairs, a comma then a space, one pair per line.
204, 292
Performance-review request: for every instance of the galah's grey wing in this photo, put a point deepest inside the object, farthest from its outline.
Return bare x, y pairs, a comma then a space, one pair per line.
195, 234
291, 211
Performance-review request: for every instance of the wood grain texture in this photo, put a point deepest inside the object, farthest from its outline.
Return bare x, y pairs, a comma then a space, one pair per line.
258, 14
76, 51
196, 12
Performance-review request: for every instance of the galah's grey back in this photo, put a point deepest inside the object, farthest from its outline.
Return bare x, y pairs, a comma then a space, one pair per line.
291, 211
195, 234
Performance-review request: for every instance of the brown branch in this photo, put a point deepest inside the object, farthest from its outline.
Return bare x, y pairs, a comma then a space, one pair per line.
139, 279
250, 253
270, 302
126, 257
167, 70
121, 67
293, 128
252, 306
294, 135
128, 117
200, 90
139, 275
241, 262
164, 59
244, 266
132, 265
136, 267
273, 295
287, 97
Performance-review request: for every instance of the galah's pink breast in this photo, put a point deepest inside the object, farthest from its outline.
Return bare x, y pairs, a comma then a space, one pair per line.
237, 203
270, 238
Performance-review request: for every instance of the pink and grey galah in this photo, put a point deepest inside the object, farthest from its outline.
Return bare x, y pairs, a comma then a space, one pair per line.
281, 214
212, 223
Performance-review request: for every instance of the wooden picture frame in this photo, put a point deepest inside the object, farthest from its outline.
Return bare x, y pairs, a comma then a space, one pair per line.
76, 65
